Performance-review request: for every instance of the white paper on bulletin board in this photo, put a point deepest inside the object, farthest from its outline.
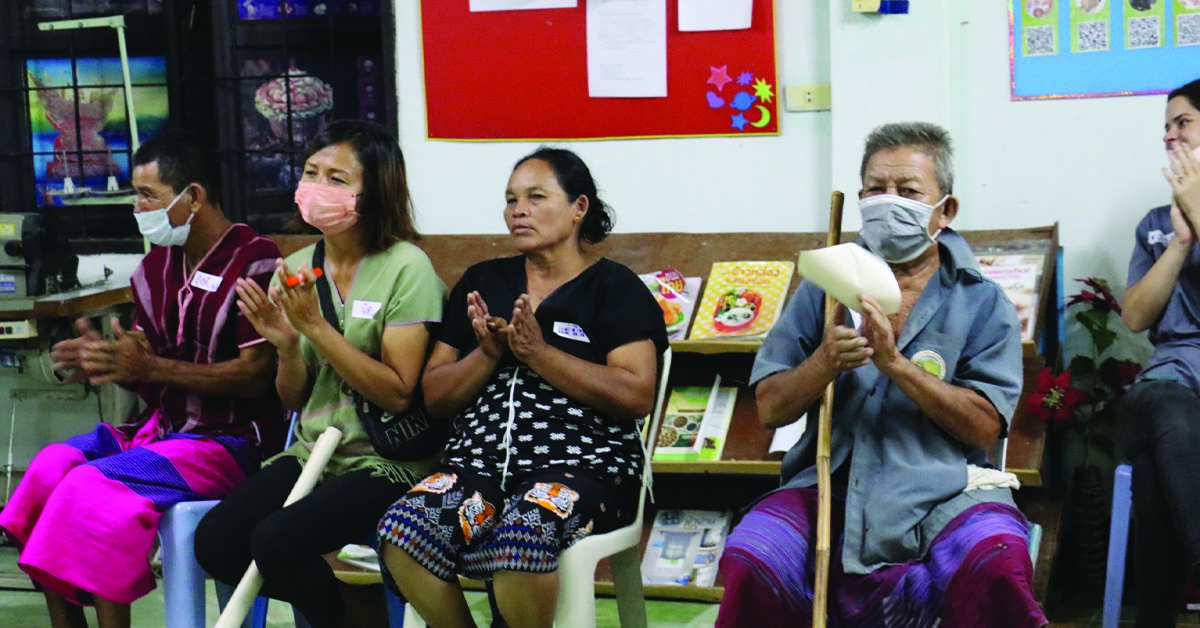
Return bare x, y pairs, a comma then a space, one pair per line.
520, 5
715, 15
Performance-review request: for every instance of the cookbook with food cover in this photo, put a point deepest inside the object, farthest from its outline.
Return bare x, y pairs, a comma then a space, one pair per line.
742, 299
696, 422
677, 296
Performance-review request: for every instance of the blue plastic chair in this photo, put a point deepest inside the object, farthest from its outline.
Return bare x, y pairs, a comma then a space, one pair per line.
183, 579
1118, 538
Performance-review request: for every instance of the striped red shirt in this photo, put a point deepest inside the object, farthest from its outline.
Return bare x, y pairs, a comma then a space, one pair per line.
194, 318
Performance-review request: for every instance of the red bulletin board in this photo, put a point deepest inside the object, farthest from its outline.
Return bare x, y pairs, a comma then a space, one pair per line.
522, 75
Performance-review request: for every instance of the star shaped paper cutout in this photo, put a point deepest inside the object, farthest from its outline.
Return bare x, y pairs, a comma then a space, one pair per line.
744, 78
720, 76
763, 90
739, 122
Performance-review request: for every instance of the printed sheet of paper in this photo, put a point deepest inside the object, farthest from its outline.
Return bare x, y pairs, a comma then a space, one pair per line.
847, 270
627, 48
715, 15
520, 5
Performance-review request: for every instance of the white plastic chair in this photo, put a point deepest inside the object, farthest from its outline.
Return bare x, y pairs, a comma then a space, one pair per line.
577, 565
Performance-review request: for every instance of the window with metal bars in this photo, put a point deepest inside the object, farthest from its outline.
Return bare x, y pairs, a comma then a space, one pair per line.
256, 78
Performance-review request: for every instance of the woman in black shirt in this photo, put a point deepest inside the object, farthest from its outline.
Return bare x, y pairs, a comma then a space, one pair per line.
548, 396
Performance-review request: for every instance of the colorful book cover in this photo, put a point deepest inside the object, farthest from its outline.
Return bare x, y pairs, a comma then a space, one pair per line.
696, 422
677, 296
742, 299
1018, 276
685, 546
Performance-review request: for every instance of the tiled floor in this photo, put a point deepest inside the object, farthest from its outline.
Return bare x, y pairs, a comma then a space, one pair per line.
25, 609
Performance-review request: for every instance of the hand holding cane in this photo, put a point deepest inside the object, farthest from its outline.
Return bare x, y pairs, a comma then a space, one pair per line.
824, 435
243, 596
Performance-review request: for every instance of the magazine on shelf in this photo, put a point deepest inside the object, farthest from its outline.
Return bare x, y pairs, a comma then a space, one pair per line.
742, 299
684, 547
677, 296
1018, 275
696, 422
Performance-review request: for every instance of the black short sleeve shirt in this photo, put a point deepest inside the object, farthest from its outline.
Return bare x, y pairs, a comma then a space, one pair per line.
603, 308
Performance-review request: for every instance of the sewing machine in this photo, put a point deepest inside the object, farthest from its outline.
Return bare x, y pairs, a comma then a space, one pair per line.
35, 260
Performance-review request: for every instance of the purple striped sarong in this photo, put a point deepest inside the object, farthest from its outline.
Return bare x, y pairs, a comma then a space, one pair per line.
976, 574
86, 512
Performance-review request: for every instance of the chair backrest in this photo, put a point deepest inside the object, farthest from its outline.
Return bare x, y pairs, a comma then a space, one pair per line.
654, 421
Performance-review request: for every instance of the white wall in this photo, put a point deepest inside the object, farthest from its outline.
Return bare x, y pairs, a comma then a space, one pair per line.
1090, 164
691, 185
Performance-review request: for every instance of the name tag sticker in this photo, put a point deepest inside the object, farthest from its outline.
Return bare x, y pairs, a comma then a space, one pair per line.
366, 309
205, 281
1158, 237
571, 331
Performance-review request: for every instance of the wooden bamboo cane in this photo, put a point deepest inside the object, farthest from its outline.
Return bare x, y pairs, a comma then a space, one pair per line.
824, 435
243, 596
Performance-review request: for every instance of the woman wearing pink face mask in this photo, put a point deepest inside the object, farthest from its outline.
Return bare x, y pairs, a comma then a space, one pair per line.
1158, 423
384, 296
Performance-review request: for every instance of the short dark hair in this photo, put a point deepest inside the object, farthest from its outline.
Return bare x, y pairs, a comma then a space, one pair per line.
182, 160
1191, 91
384, 206
576, 180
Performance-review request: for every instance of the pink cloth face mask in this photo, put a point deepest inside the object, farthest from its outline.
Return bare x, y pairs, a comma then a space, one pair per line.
329, 209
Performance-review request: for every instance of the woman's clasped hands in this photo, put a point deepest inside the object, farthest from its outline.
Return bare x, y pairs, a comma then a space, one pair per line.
522, 336
283, 313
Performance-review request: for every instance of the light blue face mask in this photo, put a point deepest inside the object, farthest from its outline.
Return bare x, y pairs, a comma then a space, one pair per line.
897, 228
157, 227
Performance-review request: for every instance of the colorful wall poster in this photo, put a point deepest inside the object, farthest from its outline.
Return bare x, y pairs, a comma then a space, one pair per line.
1144, 23
1147, 47
86, 136
1040, 32
1090, 25
1187, 22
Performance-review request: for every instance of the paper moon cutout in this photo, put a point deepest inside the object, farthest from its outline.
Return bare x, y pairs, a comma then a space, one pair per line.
765, 120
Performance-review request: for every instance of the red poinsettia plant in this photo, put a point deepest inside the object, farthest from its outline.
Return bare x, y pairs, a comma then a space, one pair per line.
1085, 395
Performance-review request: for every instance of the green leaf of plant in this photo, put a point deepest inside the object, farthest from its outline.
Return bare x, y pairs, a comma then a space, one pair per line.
1081, 366
1103, 339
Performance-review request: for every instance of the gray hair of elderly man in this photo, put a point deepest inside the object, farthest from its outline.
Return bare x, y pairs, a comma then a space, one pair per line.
926, 137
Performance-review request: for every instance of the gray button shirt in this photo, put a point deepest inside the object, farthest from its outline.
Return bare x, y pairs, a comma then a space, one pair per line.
907, 475
1176, 334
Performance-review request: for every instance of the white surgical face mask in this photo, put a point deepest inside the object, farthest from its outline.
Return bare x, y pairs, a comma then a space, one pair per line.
157, 228
897, 228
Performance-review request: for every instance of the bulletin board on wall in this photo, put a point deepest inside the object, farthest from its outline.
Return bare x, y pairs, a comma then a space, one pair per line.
522, 75
1092, 48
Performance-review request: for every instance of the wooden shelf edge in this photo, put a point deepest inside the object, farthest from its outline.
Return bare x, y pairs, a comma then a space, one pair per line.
715, 346
1028, 477
741, 467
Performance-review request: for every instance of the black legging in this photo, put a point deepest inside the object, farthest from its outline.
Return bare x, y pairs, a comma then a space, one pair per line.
1159, 431
287, 543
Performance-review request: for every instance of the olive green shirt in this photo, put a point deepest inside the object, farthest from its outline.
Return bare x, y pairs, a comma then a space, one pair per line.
395, 287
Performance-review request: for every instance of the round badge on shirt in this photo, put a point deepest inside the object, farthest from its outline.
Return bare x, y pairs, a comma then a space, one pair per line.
932, 362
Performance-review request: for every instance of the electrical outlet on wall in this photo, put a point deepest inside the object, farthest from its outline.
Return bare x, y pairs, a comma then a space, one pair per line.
811, 97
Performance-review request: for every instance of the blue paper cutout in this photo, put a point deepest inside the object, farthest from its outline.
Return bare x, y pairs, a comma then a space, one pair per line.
742, 101
739, 122
715, 101
744, 78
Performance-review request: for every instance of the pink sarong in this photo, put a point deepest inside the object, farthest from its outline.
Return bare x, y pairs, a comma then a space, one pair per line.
86, 512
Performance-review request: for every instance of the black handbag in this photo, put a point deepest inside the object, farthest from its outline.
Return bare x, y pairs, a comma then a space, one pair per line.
408, 436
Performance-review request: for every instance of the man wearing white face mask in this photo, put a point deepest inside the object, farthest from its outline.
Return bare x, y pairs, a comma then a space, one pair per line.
920, 397
87, 510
